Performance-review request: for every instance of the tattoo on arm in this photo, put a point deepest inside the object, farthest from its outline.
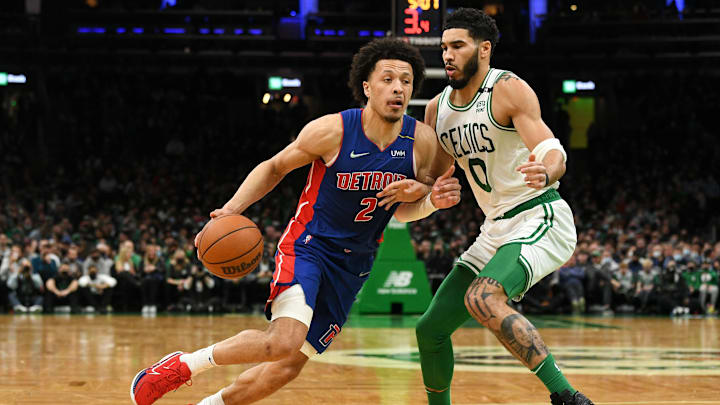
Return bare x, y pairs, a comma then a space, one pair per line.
522, 338
507, 76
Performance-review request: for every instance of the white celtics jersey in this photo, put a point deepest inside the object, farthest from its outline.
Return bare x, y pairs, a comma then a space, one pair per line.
487, 151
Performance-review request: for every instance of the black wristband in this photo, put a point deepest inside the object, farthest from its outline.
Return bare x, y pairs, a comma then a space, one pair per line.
547, 180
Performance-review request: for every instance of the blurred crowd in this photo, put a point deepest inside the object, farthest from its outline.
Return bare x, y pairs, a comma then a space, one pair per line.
98, 212
54, 274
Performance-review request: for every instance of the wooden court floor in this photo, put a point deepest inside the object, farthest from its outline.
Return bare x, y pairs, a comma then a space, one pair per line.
83, 359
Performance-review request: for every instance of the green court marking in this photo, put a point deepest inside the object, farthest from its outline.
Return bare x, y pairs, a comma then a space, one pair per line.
599, 360
408, 321
382, 321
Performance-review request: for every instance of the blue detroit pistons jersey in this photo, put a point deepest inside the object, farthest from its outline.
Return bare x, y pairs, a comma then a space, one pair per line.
338, 203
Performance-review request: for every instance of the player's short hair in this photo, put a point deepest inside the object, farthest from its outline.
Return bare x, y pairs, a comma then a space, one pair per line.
481, 26
364, 61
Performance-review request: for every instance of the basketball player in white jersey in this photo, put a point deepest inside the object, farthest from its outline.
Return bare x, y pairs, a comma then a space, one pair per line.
488, 121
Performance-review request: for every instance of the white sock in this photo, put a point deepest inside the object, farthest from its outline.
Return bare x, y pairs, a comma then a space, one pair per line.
214, 399
200, 360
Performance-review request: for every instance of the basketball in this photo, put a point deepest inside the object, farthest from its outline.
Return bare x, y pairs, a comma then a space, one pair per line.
230, 246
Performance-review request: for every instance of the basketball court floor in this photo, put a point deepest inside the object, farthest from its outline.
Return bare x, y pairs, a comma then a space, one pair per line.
79, 359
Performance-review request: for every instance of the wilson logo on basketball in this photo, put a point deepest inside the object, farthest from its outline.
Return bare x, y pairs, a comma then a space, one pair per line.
243, 267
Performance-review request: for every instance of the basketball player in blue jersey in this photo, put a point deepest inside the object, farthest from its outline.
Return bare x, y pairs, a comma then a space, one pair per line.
327, 250
488, 121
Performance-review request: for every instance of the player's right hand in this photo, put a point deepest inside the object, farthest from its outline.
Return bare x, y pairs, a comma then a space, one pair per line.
214, 214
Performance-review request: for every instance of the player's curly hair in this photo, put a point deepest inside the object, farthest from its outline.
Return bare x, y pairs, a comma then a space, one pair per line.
364, 61
480, 26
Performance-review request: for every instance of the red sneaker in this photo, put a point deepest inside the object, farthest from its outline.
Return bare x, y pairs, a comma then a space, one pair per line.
166, 375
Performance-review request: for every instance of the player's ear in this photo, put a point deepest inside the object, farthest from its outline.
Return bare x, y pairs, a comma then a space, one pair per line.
366, 89
485, 49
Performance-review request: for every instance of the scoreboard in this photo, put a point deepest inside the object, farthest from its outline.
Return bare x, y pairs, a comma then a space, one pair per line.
420, 21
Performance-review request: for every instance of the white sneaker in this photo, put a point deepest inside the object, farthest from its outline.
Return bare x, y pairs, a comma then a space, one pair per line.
686, 310
20, 308
36, 308
90, 309
64, 309
145, 309
152, 309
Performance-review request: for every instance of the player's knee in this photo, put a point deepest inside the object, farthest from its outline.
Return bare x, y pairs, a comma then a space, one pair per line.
423, 331
482, 297
427, 332
279, 347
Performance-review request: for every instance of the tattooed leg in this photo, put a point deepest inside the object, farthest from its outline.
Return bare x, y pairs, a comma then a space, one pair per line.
486, 301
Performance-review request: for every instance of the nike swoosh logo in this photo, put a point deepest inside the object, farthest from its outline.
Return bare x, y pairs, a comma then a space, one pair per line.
364, 274
353, 155
152, 370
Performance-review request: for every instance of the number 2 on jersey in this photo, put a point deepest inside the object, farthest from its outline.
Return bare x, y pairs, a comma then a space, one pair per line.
371, 204
479, 162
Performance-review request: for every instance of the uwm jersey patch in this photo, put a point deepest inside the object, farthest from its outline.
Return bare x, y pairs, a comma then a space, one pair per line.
338, 202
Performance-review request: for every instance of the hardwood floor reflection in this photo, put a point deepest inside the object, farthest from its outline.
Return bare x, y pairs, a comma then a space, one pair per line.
91, 360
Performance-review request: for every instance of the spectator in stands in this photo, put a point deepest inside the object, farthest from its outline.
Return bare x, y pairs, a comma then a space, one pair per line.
197, 297
152, 270
9, 264
26, 288
100, 260
53, 248
73, 260
709, 286
44, 264
96, 290
657, 256
178, 275
598, 284
61, 289
671, 291
127, 276
691, 274
623, 287
645, 281
572, 278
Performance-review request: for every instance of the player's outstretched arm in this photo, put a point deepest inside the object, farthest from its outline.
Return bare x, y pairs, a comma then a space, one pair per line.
514, 98
320, 138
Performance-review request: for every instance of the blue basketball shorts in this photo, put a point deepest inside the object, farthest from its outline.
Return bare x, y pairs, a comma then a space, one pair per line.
330, 276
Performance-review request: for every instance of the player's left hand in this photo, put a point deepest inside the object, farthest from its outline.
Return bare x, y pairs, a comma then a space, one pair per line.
400, 191
535, 173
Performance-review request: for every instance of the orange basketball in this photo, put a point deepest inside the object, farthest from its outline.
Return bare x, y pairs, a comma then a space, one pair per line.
230, 246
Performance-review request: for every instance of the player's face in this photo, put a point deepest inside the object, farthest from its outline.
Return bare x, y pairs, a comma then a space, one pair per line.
460, 55
389, 88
